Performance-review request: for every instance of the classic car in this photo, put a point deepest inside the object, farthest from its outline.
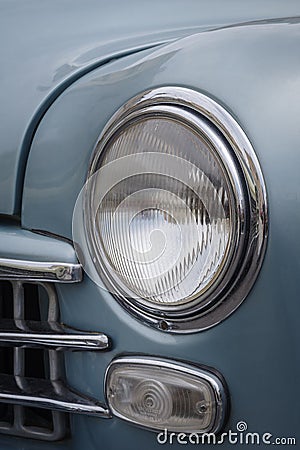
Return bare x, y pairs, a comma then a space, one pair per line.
149, 224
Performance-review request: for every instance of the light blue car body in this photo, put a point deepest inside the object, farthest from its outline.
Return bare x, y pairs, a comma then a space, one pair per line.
66, 67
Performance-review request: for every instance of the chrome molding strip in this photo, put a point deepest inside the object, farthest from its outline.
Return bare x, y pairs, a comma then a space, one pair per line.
36, 271
21, 333
48, 394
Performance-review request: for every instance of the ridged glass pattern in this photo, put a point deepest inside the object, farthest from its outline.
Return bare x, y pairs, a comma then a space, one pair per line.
164, 229
160, 398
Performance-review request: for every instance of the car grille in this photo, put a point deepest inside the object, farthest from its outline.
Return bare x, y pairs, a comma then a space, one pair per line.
33, 392
23, 303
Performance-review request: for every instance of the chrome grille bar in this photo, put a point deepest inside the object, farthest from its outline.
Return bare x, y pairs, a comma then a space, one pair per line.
48, 394
50, 335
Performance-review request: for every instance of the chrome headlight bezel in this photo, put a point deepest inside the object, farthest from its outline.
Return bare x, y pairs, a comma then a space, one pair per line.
249, 215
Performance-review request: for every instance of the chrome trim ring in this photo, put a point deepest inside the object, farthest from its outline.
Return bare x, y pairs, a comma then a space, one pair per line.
235, 152
210, 375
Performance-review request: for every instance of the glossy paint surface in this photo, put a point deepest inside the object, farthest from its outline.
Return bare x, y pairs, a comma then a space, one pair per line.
253, 71
19, 244
47, 45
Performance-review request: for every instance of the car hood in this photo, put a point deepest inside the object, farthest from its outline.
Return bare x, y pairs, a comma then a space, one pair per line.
48, 45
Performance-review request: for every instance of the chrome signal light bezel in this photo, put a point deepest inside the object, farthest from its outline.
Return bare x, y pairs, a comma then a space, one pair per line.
208, 375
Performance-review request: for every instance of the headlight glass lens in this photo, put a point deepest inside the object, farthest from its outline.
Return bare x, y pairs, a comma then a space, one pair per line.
173, 217
163, 231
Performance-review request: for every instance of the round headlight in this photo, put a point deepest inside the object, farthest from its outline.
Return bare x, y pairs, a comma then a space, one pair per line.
175, 210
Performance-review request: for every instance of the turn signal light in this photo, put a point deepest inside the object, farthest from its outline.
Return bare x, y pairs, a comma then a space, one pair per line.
162, 394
